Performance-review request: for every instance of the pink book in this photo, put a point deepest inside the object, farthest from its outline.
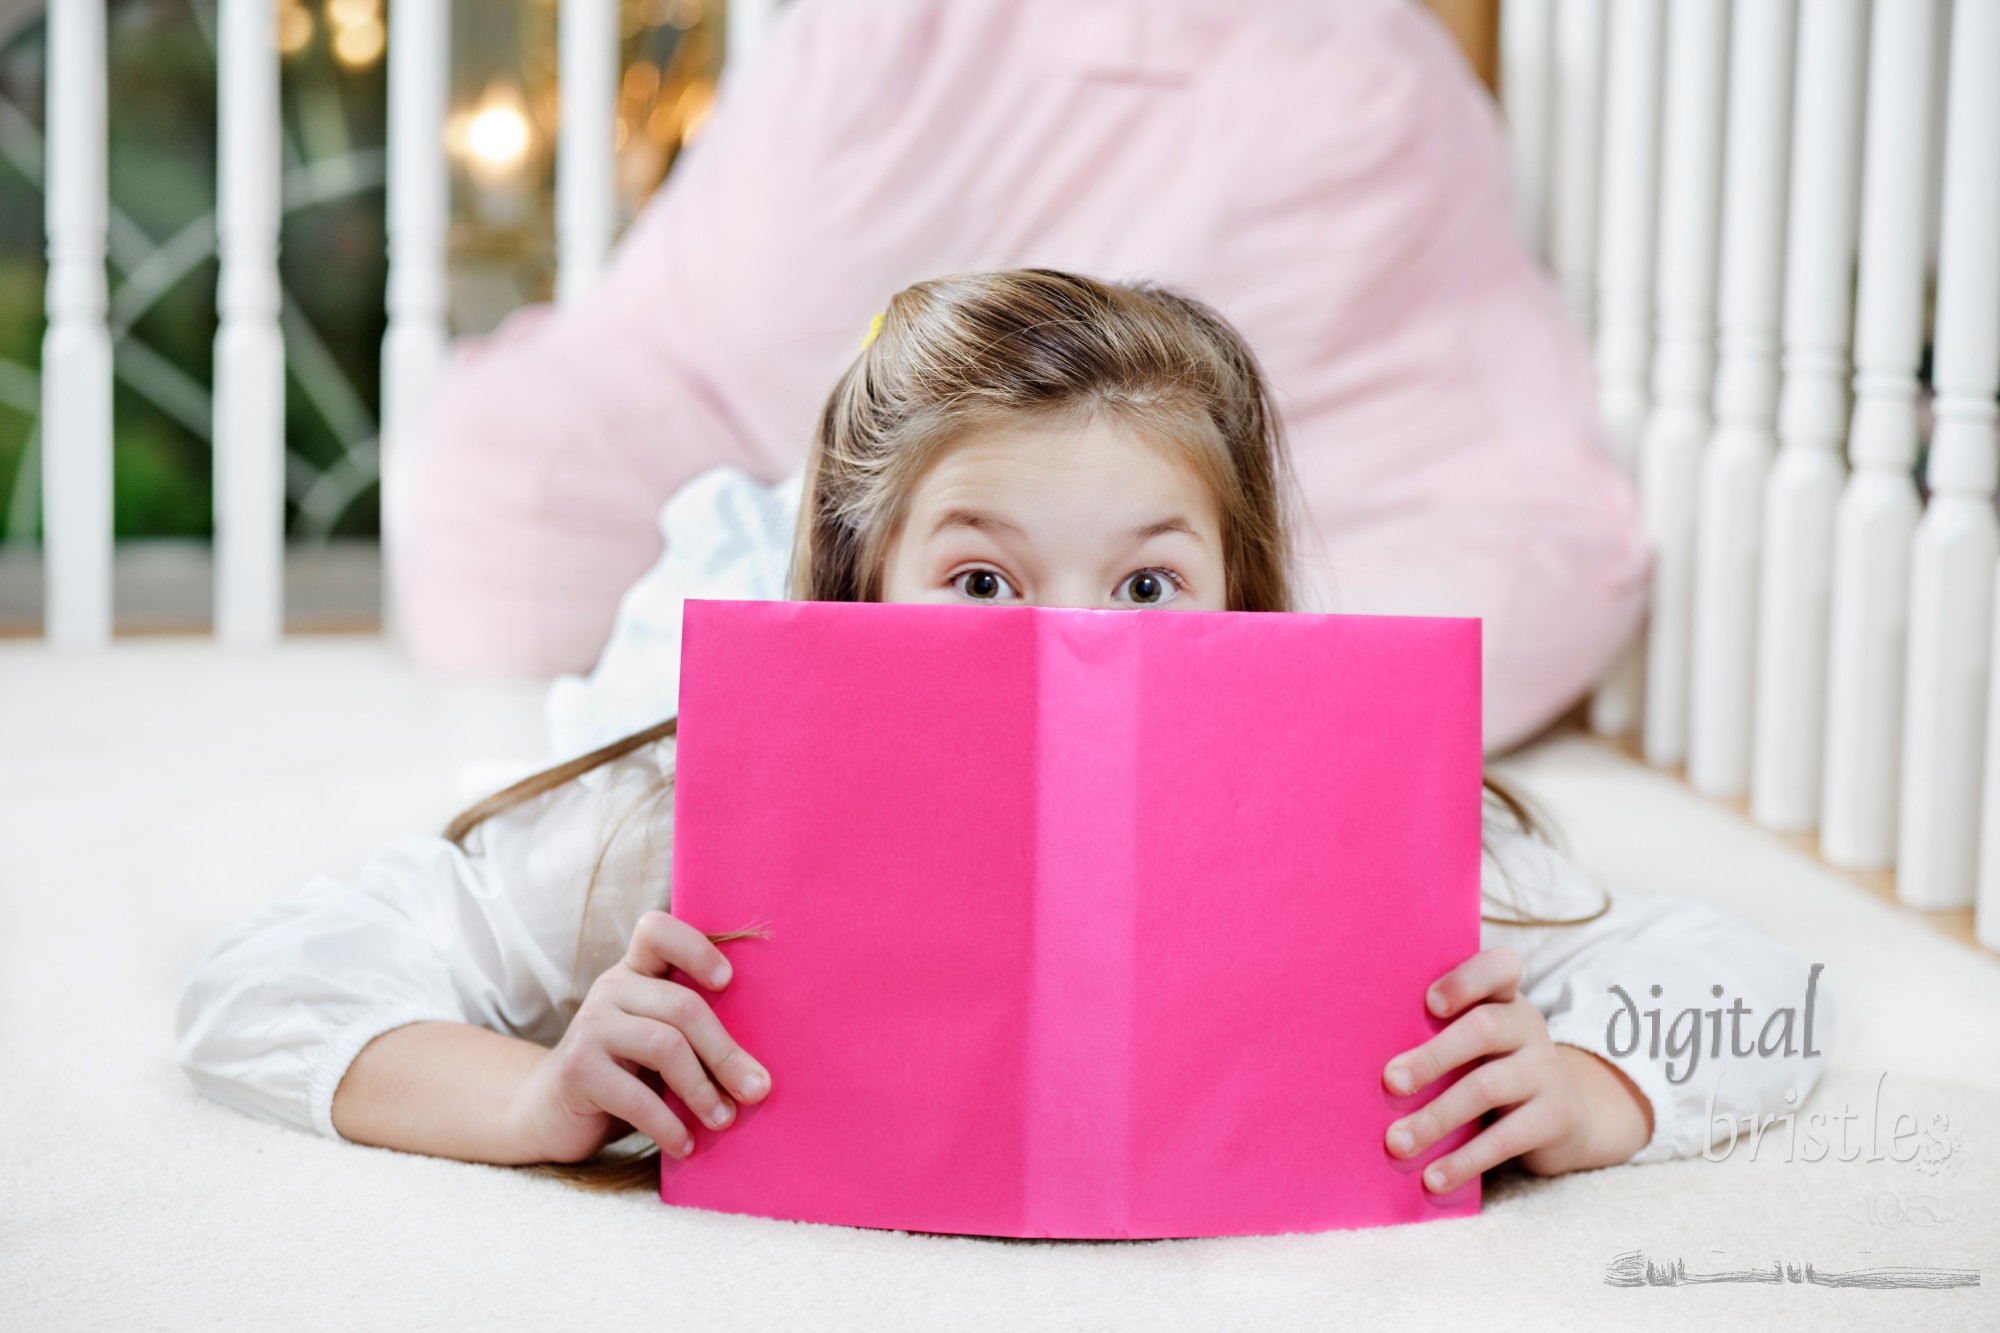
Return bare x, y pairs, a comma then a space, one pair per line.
1082, 923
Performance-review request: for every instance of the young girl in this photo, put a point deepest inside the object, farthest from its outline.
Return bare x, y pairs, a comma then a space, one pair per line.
514, 991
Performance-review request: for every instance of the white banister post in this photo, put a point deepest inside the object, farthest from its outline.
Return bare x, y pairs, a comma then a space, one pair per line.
1986, 904
76, 352
1729, 511
1879, 508
1670, 449
1803, 487
586, 198
1626, 228
419, 214
249, 351
1526, 94
749, 23
1951, 563
1579, 111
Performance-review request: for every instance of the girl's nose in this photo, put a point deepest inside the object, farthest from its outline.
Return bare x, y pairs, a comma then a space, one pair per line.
1077, 592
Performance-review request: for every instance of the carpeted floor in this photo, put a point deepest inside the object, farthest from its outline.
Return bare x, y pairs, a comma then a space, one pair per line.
151, 796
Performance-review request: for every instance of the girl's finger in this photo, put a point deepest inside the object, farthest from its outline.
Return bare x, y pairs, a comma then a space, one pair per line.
674, 1004
665, 1047
620, 1094
1489, 1029
1520, 1130
1494, 1084
1490, 974
662, 942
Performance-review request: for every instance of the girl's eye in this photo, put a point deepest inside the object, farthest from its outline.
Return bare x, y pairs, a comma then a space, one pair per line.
982, 585
1149, 587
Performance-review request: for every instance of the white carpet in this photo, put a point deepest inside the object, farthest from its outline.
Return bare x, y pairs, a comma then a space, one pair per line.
151, 796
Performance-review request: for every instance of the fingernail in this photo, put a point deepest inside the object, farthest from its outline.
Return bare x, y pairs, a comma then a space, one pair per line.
686, 1147
721, 1114
1399, 1079
721, 974
1401, 1141
1434, 1177
753, 1082
1436, 1002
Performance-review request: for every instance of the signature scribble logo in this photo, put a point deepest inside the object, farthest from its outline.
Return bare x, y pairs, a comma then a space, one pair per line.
1634, 1269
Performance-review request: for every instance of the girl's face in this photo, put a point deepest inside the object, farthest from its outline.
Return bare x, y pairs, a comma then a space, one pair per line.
1092, 515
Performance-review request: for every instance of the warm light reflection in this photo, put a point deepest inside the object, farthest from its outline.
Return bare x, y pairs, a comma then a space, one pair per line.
699, 100
295, 28
359, 43
495, 136
498, 136
358, 33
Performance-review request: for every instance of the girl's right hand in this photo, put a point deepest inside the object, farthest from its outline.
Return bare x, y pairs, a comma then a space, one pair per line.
589, 1090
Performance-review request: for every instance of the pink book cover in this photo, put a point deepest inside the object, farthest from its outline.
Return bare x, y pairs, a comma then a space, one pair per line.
1089, 924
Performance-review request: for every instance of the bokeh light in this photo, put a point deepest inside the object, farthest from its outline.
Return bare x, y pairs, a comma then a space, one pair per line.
358, 32
295, 27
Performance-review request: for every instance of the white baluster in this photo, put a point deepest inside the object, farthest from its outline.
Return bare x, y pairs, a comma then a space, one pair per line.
1934, 196
1626, 227
1526, 91
1803, 488
749, 24
586, 199
1670, 449
419, 208
249, 351
1986, 913
1579, 112
76, 352
1951, 564
1729, 511
1879, 507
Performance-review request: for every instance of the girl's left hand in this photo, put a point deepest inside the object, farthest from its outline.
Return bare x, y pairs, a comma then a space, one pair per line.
1562, 1108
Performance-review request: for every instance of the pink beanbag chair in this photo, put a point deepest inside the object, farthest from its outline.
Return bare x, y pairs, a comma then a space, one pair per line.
1326, 173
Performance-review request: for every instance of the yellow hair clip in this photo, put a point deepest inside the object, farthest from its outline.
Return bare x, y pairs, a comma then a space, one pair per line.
874, 327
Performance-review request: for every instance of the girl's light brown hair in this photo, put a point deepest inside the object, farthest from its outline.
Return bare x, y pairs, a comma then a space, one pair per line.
956, 354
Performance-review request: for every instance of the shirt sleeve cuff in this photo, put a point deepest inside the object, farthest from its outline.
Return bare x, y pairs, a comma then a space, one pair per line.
1649, 1076
338, 1053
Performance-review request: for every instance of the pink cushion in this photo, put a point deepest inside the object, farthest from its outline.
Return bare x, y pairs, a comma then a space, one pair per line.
1328, 174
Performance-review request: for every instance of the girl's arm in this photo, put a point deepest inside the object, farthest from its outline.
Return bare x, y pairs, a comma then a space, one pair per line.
445, 1089
478, 947
1690, 951
1540, 1024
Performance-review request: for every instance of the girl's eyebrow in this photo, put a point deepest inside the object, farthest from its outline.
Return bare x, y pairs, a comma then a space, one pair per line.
976, 519
1163, 527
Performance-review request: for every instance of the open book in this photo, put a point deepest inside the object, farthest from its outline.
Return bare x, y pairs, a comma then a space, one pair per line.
1081, 923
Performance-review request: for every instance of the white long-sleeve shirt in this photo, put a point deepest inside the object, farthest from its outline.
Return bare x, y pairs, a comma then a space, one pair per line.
498, 935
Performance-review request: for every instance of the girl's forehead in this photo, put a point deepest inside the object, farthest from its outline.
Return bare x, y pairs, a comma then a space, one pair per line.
1097, 450
1067, 488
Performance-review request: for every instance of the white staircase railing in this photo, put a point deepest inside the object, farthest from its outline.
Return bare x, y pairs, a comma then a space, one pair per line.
76, 354
1821, 639
249, 402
